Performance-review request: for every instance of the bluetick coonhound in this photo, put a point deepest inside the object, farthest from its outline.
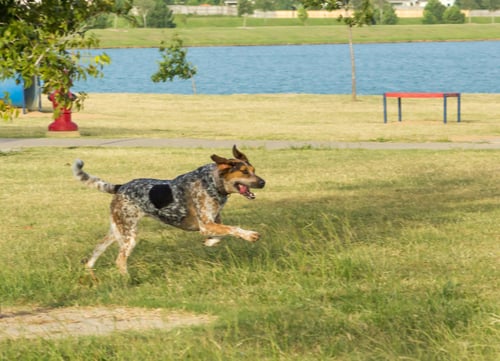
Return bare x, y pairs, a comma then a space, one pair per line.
192, 202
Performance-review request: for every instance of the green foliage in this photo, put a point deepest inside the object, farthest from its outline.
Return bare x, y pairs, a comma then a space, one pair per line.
433, 12
436, 13
7, 111
453, 15
324, 4
160, 16
173, 63
467, 4
245, 7
386, 15
44, 39
363, 14
143, 8
101, 21
302, 14
265, 5
490, 5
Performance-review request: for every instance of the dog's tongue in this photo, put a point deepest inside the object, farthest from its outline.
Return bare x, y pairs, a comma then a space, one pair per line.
245, 191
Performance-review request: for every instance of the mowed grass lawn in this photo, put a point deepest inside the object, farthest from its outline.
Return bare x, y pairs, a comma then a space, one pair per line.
365, 255
302, 117
208, 31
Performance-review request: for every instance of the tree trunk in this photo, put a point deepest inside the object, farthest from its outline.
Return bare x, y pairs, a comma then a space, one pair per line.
193, 84
353, 65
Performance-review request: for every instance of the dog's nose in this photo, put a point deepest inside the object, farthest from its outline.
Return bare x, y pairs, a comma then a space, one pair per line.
262, 183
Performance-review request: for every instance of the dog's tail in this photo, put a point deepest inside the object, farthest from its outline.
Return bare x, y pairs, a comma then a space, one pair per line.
91, 181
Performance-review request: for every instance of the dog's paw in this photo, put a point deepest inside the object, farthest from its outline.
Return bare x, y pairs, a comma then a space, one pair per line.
250, 236
210, 242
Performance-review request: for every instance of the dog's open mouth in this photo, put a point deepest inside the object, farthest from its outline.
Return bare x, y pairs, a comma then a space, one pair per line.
245, 191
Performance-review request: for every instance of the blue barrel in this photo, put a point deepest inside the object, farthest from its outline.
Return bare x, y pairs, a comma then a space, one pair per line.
28, 99
16, 92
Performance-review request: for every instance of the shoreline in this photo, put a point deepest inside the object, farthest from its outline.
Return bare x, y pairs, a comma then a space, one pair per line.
294, 44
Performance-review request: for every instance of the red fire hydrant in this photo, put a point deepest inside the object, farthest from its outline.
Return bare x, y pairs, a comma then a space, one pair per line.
63, 122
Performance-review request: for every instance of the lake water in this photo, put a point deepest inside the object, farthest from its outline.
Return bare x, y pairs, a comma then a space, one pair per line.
469, 67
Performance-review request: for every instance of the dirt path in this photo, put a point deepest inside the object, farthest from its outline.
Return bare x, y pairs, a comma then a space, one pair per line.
83, 321
7, 144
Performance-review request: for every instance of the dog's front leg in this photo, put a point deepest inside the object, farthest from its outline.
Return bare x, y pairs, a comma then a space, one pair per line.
210, 224
214, 230
212, 241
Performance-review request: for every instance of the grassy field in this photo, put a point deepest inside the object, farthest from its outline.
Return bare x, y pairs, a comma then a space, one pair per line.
272, 117
365, 255
261, 34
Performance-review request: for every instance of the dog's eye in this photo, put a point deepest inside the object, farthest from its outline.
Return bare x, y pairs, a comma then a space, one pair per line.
245, 171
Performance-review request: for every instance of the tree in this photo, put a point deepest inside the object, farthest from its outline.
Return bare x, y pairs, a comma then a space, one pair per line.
492, 6
245, 8
385, 14
143, 8
265, 5
433, 12
122, 7
302, 15
161, 16
467, 5
174, 63
44, 39
453, 15
360, 15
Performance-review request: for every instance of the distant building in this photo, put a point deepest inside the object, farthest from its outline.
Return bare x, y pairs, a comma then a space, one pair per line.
418, 3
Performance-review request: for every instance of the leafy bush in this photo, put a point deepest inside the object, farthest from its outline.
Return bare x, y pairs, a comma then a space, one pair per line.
453, 15
433, 12
161, 16
302, 15
386, 15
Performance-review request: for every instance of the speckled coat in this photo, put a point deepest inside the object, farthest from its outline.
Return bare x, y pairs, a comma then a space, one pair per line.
192, 202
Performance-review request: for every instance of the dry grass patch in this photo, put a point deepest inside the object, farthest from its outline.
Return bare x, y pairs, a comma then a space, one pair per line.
273, 117
90, 321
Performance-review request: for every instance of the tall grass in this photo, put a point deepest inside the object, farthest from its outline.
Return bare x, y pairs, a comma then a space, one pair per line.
365, 255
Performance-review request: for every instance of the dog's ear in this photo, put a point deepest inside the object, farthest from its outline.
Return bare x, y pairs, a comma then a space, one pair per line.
219, 160
238, 155
222, 163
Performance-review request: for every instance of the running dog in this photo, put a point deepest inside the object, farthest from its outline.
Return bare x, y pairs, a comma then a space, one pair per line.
192, 202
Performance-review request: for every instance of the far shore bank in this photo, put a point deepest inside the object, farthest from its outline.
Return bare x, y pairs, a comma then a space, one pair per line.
295, 35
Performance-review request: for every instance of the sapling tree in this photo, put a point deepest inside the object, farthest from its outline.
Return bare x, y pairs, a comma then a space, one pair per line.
359, 15
245, 8
143, 9
302, 15
174, 63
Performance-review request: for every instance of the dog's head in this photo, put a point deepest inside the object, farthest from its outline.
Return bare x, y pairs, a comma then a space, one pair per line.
238, 175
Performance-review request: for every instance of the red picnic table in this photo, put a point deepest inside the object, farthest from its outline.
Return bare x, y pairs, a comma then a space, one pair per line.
400, 95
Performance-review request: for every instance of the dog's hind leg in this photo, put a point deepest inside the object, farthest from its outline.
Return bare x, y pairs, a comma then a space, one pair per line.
101, 247
126, 217
127, 245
